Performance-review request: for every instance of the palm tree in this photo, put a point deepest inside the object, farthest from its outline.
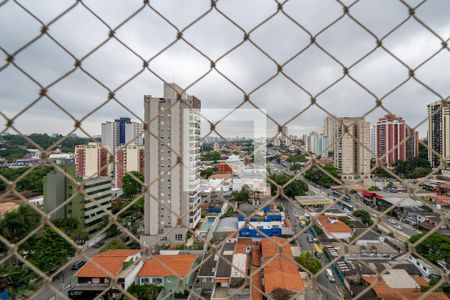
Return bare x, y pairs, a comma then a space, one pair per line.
16, 279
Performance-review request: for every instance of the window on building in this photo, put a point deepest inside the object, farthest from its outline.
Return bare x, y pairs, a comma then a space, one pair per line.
179, 237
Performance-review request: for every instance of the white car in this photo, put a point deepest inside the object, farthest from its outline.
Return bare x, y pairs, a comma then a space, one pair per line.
392, 221
330, 275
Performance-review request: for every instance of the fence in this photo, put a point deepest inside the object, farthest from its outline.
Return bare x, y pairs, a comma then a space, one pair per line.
91, 48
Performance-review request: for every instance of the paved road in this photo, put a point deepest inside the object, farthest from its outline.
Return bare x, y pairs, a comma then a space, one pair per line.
405, 232
330, 290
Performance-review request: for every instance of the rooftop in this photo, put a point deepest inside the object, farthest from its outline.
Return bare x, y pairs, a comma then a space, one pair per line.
167, 265
333, 224
398, 199
271, 247
282, 273
111, 261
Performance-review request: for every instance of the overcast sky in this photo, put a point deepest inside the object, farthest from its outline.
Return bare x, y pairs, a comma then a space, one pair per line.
147, 34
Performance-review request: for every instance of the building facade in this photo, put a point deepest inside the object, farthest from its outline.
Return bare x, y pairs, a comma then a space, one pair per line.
128, 158
172, 152
329, 130
121, 131
87, 208
393, 139
351, 154
92, 160
439, 134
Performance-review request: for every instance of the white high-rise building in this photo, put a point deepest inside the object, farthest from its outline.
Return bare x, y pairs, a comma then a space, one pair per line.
172, 149
350, 155
373, 140
311, 144
121, 131
285, 136
329, 130
439, 134
321, 145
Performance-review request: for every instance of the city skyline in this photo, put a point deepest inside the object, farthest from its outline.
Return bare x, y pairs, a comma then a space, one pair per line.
247, 66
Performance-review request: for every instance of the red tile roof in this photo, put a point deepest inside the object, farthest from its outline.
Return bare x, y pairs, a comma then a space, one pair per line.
256, 286
270, 247
256, 256
111, 260
335, 226
387, 293
223, 176
167, 265
282, 273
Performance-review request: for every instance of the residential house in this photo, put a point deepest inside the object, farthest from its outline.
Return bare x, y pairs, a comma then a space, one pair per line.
95, 276
397, 284
167, 270
334, 228
279, 268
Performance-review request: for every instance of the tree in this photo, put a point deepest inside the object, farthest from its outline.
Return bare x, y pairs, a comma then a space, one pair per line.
433, 248
299, 157
364, 216
280, 208
295, 188
211, 156
373, 189
206, 173
116, 243
309, 262
295, 167
145, 291
316, 175
347, 221
72, 228
280, 294
16, 279
51, 251
32, 181
15, 225
131, 187
241, 196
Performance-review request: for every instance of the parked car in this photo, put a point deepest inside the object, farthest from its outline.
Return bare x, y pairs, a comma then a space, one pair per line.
99, 244
315, 240
317, 254
78, 264
310, 239
330, 275
390, 220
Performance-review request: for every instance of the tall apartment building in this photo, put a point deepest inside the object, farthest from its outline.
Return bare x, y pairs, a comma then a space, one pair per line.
285, 136
350, 157
373, 141
317, 144
128, 158
329, 130
92, 160
121, 131
311, 142
172, 204
394, 140
439, 134
321, 145
88, 207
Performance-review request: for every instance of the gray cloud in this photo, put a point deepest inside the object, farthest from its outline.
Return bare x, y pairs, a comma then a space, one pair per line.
147, 34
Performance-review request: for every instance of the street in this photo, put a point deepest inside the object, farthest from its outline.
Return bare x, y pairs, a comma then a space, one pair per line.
329, 290
404, 233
